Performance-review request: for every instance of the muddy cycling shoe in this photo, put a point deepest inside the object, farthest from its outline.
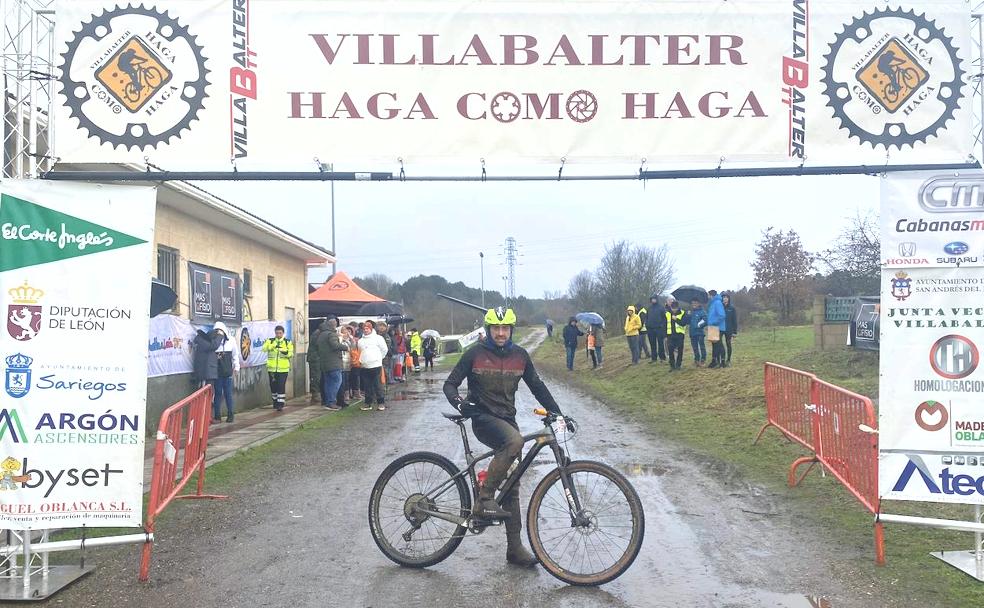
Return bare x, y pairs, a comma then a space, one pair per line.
489, 509
517, 554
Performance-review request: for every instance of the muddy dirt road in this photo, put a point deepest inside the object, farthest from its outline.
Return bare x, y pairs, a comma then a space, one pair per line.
295, 531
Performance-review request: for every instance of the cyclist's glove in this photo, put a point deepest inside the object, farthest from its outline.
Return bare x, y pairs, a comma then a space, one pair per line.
571, 425
459, 403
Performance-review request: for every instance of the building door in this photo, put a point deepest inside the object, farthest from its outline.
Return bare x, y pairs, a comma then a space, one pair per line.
298, 366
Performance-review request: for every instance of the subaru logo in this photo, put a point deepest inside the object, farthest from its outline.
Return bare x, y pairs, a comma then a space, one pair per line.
907, 250
956, 248
954, 357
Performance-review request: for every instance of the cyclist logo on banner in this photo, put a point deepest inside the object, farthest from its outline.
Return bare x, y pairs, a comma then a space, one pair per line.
133, 77
893, 78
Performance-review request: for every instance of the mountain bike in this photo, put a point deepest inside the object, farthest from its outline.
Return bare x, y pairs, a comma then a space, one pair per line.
585, 521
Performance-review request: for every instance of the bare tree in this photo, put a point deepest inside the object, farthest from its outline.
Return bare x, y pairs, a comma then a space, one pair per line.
628, 275
781, 268
854, 262
376, 283
582, 291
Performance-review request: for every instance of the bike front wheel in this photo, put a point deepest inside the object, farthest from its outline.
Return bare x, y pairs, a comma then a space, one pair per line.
602, 543
402, 531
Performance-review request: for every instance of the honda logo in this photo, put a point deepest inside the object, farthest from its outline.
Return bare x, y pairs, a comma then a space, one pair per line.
907, 250
954, 357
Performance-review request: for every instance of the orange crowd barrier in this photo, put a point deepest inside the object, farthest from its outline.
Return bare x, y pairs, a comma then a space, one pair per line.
833, 423
179, 454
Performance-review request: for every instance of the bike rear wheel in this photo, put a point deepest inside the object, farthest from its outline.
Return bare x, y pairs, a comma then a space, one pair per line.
606, 545
393, 509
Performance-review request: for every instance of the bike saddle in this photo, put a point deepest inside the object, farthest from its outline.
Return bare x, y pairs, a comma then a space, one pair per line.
456, 417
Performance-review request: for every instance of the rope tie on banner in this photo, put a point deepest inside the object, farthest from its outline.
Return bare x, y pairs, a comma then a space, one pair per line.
720, 162
82, 547
560, 171
642, 172
483, 169
403, 175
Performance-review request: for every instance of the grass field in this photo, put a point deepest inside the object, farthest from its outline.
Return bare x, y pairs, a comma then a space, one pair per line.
719, 412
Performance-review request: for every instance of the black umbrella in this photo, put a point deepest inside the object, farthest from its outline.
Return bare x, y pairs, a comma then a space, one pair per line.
162, 297
380, 309
398, 320
688, 293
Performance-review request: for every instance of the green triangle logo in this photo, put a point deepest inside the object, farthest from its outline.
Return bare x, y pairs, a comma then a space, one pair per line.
31, 234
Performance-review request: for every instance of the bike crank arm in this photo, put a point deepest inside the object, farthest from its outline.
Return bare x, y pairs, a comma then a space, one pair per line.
455, 519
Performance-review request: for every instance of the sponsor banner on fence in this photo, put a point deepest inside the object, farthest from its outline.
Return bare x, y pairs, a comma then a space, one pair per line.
931, 425
929, 219
864, 333
755, 81
72, 411
170, 350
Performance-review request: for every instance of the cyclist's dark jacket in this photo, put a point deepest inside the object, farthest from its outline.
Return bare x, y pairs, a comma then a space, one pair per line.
493, 375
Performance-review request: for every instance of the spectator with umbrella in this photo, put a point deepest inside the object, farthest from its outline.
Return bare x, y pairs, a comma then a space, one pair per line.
571, 332
549, 325
597, 333
633, 324
698, 323
430, 348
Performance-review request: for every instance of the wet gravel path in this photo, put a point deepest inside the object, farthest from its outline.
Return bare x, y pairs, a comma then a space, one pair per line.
295, 531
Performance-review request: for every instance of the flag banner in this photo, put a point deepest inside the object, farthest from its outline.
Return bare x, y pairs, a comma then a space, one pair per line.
72, 413
931, 423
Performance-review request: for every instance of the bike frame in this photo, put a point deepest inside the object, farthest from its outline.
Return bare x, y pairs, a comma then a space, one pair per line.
541, 439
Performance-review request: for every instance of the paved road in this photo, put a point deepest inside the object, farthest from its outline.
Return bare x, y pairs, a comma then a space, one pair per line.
295, 533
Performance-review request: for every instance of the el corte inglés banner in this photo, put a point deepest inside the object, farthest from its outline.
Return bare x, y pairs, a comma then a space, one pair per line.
75, 263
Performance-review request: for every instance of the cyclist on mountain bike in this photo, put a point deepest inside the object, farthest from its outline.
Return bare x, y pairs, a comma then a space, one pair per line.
493, 369
129, 62
888, 64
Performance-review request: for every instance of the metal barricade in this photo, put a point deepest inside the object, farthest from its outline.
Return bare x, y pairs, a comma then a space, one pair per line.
787, 392
182, 437
833, 423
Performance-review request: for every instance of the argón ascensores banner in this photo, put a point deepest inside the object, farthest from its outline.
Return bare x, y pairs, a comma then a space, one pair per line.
75, 269
754, 81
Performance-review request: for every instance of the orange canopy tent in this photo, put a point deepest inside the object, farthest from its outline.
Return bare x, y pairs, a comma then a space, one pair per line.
340, 288
339, 296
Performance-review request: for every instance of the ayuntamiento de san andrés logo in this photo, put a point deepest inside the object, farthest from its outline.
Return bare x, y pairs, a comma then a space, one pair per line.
134, 77
893, 78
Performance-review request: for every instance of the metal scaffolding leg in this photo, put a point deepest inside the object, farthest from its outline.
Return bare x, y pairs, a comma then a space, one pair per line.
25, 573
971, 562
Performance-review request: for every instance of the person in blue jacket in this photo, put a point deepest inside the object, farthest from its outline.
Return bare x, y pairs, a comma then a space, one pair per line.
698, 321
571, 332
717, 317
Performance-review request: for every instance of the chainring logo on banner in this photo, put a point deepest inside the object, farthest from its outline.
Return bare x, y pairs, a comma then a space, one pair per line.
245, 344
893, 78
901, 286
24, 315
954, 357
931, 416
134, 77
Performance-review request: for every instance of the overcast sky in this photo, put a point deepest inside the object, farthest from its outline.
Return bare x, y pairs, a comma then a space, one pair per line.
404, 229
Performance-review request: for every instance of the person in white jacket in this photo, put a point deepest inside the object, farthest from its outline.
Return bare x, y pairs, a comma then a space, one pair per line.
227, 358
373, 349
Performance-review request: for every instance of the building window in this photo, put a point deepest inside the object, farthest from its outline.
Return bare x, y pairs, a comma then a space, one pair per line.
270, 314
247, 282
167, 268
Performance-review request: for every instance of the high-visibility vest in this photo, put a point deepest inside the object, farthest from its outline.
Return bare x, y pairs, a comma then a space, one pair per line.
673, 323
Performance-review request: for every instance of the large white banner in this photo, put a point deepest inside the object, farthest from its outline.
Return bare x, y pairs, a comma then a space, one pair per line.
837, 82
170, 345
75, 270
931, 418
